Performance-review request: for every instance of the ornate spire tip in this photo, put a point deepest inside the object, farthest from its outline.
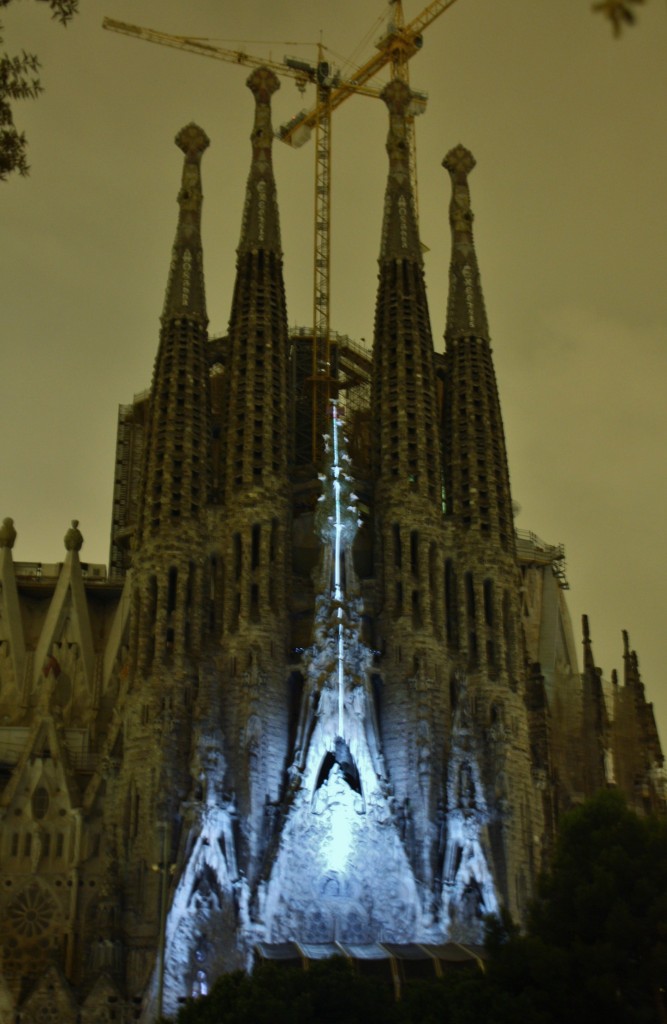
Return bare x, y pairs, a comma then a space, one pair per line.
459, 161
193, 140
263, 82
397, 94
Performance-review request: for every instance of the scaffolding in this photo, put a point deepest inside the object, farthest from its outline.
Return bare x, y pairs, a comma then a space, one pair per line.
349, 374
534, 551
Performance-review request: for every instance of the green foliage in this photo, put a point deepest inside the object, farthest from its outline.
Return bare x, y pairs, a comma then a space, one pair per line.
596, 947
328, 993
19, 80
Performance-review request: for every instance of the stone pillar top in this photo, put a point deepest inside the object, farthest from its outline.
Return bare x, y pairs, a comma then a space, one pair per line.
7, 533
74, 537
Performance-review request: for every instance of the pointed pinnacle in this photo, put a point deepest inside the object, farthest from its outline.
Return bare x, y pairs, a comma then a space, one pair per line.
185, 288
193, 140
589, 661
400, 235
260, 228
466, 314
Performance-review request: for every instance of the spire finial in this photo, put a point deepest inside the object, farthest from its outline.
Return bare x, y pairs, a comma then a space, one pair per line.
261, 228
466, 315
263, 82
400, 235
7, 533
193, 140
585, 629
589, 660
185, 289
74, 537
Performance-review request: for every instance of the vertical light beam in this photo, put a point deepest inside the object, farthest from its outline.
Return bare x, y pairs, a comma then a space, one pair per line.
338, 589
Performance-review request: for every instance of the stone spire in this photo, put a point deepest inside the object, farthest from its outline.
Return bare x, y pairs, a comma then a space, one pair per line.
589, 660
185, 288
595, 728
400, 235
406, 449
260, 228
477, 486
638, 757
407, 483
255, 392
175, 481
253, 519
466, 315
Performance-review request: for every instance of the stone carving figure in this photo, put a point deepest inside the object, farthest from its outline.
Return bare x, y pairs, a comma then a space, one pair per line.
7, 533
74, 537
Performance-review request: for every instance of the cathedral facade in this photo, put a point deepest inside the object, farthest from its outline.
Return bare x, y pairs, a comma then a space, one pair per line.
326, 693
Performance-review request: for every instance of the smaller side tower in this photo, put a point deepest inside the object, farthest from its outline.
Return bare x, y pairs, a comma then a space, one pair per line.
595, 721
483, 621
168, 573
407, 482
637, 758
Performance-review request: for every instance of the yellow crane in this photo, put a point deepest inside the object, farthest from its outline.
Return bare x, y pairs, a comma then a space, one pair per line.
395, 48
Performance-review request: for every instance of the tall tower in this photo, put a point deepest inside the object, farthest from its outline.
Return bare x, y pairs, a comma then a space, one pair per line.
483, 623
253, 522
408, 504
168, 578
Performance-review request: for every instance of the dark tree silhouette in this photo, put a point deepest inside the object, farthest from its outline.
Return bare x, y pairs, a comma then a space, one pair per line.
19, 80
596, 946
619, 12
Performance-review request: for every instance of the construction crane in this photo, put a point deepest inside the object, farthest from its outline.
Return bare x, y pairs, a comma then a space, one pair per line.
396, 47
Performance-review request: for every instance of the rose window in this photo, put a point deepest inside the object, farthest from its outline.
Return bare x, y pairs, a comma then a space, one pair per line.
31, 913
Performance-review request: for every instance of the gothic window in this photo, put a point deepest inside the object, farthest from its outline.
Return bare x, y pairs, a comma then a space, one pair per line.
416, 610
254, 602
470, 596
451, 604
396, 531
171, 589
433, 587
238, 556
488, 602
255, 546
40, 803
507, 631
414, 553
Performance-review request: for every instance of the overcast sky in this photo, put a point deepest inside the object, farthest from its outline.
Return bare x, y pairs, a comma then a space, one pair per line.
570, 196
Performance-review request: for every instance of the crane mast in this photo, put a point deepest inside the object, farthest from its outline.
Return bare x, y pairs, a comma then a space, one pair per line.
321, 376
